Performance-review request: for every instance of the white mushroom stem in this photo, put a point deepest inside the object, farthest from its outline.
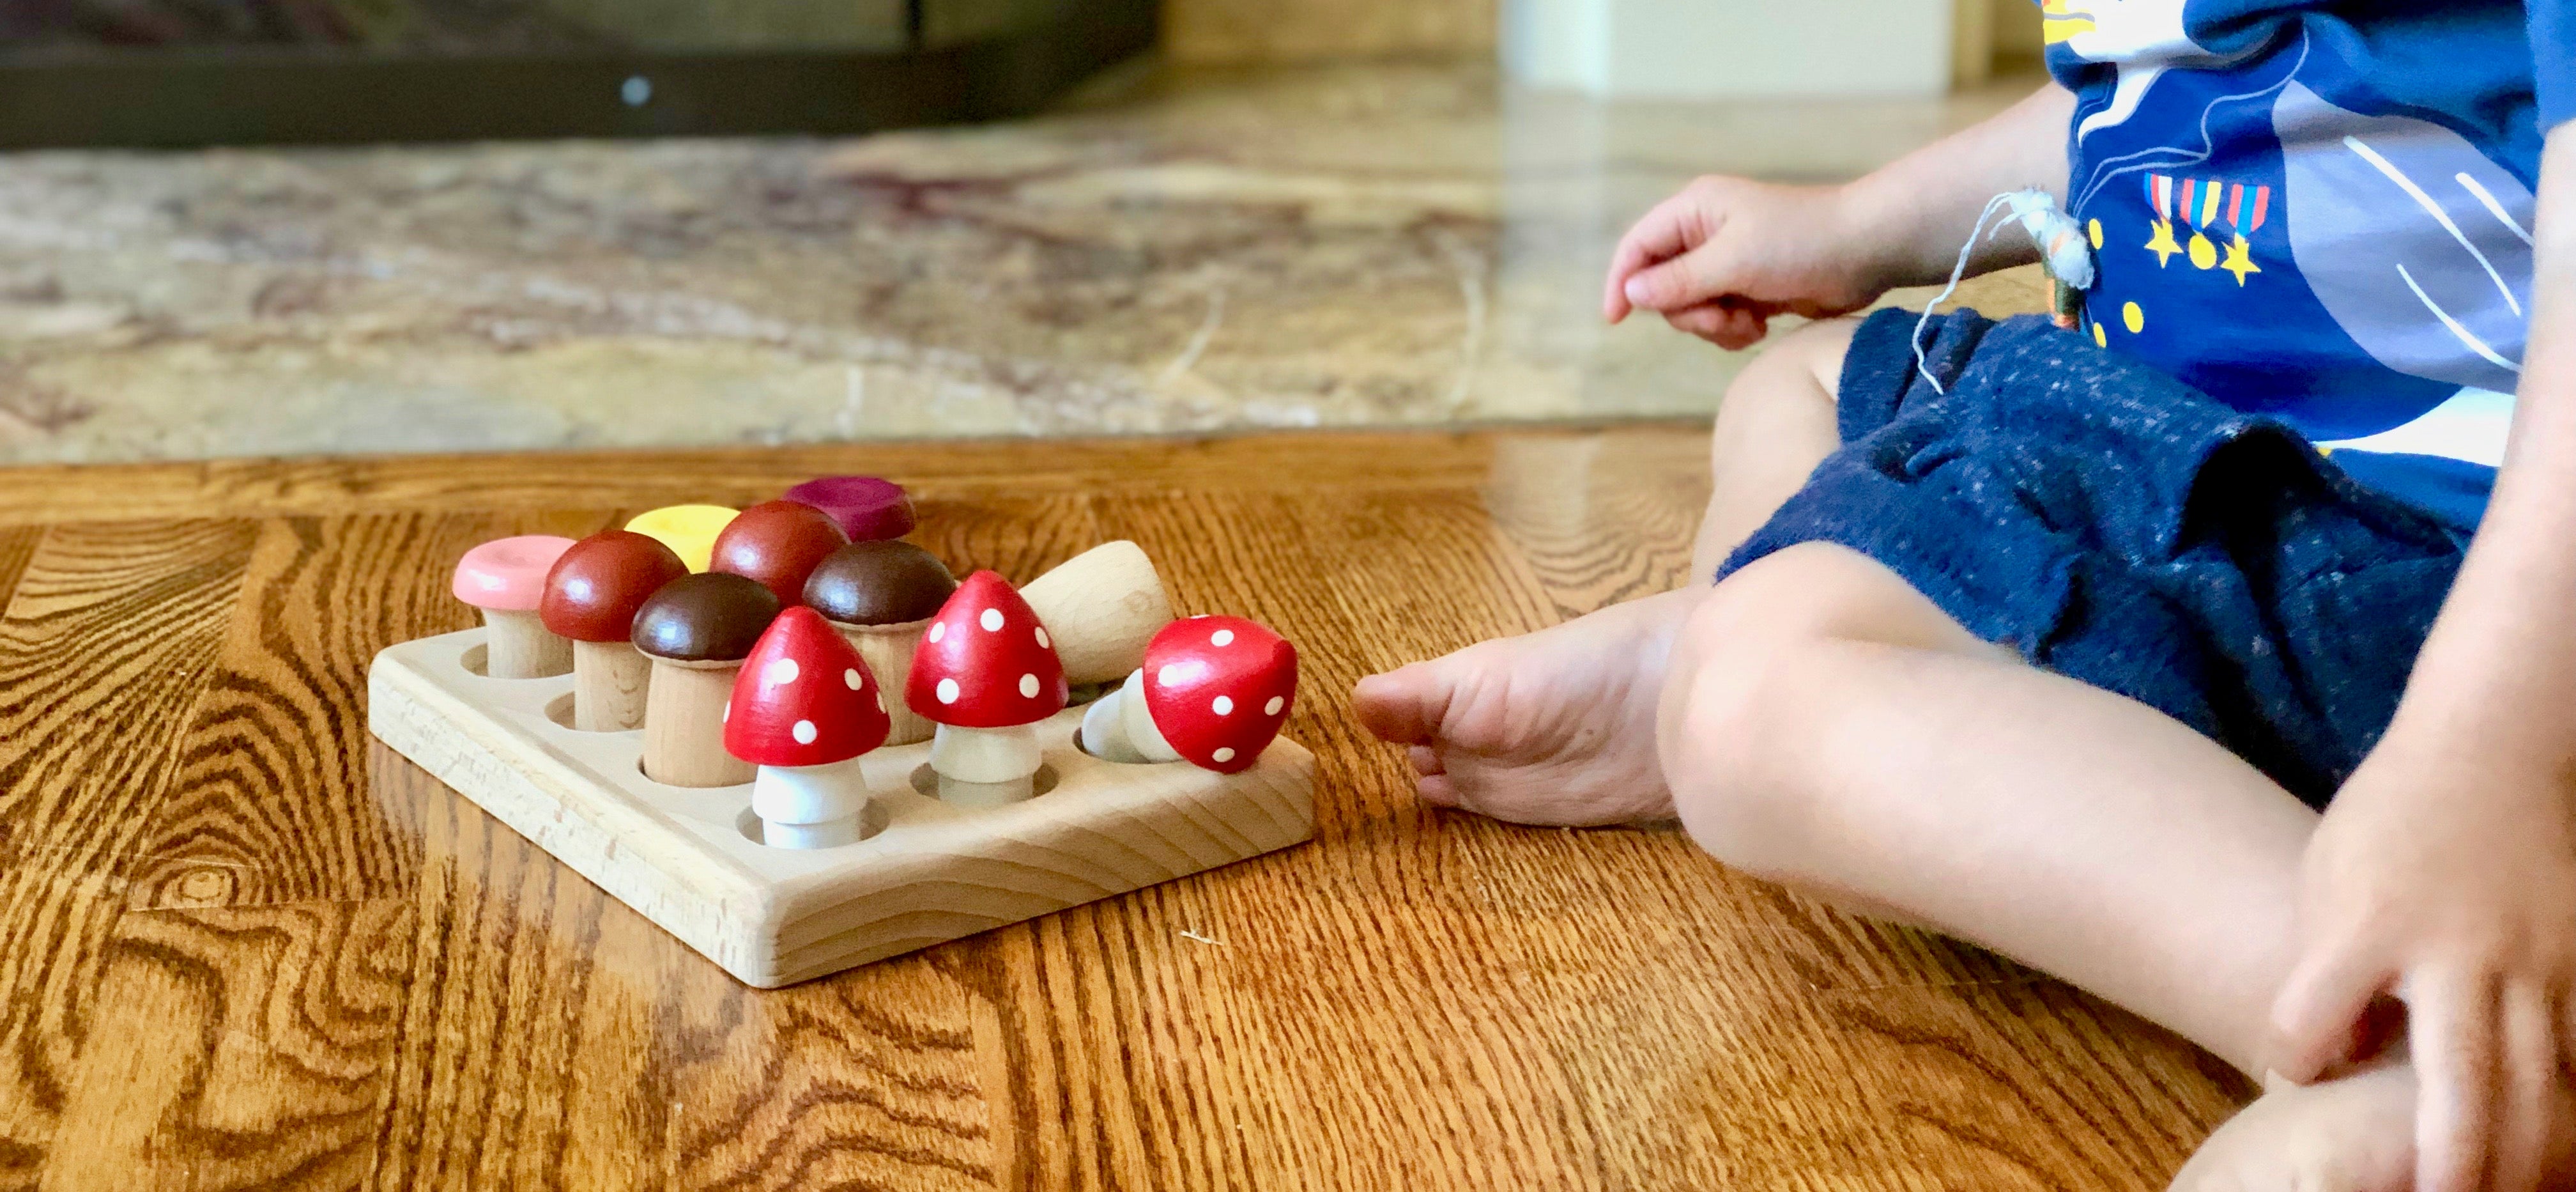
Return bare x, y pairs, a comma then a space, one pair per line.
1119, 728
983, 766
517, 645
810, 806
1104, 731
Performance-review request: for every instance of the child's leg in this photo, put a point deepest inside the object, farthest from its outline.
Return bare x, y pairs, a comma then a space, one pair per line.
1827, 726
1557, 727
1776, 423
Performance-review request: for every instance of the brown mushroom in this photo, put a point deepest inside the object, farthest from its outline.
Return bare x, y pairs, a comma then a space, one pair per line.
591, 597
697, 629
881, 596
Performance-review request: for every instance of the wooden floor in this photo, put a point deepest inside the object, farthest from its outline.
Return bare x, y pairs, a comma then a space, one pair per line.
241, 946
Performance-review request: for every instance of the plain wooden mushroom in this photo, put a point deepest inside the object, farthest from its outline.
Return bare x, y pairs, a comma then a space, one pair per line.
881, 596
591, 597
506, 578
985, 673
1102, 605
697, 629
804, 708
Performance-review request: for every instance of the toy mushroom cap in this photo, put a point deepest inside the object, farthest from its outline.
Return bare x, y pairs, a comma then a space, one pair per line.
1219, 688
985, 661
596, 587
708, 617
879, 583
689, 530
508, 574
868, 508
804, 698
777, 543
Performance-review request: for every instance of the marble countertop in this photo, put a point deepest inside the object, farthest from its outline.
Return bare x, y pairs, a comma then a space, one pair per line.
1345, 246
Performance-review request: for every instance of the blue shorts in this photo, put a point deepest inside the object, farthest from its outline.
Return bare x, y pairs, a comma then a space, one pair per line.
2122, 529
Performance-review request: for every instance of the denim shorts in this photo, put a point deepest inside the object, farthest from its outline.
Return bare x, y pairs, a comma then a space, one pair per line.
2123, 529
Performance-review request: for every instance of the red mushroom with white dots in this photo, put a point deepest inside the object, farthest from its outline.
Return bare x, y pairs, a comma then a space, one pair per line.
986, 671
1213, 692
803, 709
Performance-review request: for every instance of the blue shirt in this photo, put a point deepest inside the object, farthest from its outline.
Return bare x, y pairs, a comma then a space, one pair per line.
2322, 211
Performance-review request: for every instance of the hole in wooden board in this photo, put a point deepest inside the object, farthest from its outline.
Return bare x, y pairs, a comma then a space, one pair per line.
559, 710
1083, 693
648, 777
475, 660
926, 781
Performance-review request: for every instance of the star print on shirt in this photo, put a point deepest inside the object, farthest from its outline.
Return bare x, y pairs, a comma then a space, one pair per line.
2240, 261
2163, 244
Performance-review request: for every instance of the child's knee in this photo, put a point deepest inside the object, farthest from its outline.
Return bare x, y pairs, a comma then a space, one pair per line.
1806, 363
1757, 673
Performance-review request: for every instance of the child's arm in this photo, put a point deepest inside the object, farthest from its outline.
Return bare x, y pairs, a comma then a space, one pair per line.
1724, 255
2445, 871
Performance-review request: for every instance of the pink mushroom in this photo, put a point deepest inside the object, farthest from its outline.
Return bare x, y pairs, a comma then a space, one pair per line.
506, 578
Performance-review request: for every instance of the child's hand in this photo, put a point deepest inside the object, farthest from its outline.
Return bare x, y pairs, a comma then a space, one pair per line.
2448, 880
1720, 258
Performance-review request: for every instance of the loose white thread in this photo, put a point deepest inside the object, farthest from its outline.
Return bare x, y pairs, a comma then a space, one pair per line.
2062, 248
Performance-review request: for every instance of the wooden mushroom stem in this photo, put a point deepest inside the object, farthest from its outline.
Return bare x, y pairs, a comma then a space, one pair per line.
811, 806
1102, 606
517, 645
984, 766
889, 650
1119, 728
608, 685
684, 725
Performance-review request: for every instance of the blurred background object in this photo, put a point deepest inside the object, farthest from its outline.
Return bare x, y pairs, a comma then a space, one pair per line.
1293, 213
192, 72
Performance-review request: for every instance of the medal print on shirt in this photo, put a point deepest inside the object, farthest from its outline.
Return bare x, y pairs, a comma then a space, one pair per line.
2199, 203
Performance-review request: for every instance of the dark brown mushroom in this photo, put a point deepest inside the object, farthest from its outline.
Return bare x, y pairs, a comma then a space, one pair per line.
698, 629
713, 616
879, 583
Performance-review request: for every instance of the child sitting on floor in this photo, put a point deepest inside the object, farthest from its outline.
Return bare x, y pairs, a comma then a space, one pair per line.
2087, 644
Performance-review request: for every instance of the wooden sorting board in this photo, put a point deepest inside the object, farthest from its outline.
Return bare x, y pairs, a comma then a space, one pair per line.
690, 860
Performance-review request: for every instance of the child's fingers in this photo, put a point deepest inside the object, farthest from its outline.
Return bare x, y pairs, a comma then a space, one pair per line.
1731, 327
2526, 1122
2321, 1004
1656, 235
1700, 275
2452, 1033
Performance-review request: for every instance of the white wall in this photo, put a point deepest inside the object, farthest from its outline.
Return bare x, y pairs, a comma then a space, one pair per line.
1726, 48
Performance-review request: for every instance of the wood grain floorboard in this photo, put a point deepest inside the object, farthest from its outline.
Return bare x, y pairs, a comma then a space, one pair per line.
17, 546
105, 649
243, 946
238, 1048
54, 930
735, 476
250, 818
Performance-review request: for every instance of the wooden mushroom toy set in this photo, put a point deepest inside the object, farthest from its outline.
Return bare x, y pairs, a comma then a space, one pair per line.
800, 743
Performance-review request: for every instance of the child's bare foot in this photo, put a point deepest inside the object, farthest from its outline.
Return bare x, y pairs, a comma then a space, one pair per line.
2355, 1134
1554, 727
